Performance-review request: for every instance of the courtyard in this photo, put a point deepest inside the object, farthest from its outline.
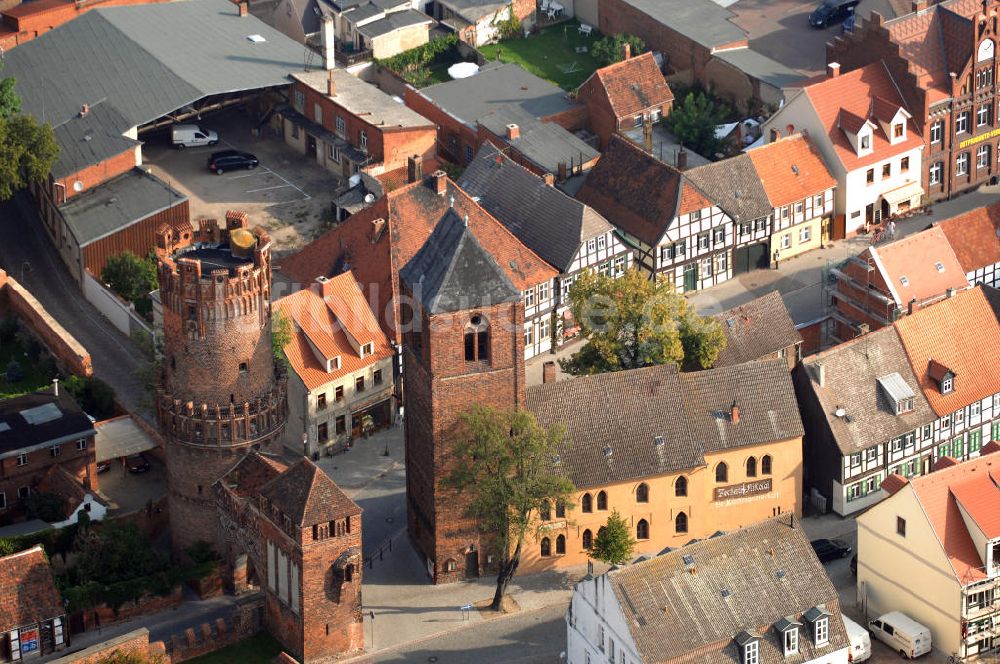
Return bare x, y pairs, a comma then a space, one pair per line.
559, 53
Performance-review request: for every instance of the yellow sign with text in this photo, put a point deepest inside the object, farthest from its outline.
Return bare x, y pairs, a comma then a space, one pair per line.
979, 139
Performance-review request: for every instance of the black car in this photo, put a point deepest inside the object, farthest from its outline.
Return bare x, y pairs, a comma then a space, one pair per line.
832, 11
137, 463
830, 549
231, 160
103, 466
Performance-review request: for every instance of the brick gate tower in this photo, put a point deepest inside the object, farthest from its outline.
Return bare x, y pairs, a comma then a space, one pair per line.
220, 394
466, 346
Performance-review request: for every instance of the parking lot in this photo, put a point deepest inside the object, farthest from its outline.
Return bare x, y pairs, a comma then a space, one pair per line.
129, 492
287, 193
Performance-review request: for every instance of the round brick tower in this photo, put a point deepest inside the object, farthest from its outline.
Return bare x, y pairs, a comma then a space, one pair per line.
220, 393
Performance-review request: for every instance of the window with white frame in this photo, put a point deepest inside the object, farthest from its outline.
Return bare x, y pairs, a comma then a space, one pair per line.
791, 641
866, 142
751, 652
706, 267
962, 164
703, 241
937, 131
22, 459
982, 156
695, 216
529, 335
543, 293
81, 444
334, 152
723, 263
818, 203
591, 246
299, 100
805, 234
602, 241
786, 240
318, 114
935, 173
341, 126
363, 139
798, 208
529, 298
871, 454
983, 115
962, 123
822, 631
719, 236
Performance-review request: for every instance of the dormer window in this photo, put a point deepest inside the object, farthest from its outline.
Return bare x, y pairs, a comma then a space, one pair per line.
897, 130
947, 385
749, 644
367, 349
333, 364
821, 630
898, 394
942, 375
866, 142
791, 641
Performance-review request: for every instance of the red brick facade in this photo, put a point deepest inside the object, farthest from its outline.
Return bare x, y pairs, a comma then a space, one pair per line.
17, 477
94, 175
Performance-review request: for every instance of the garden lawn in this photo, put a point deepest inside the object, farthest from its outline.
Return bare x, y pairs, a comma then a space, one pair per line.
551, 54
37, 375
260, 648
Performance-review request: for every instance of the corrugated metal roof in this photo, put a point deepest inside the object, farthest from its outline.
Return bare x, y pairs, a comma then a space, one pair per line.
895, 387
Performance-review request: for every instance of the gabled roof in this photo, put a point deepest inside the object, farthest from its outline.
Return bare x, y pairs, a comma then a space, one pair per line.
979, 497
252, 472
677, 611
308, 496
90, 139
755, 330
974, 236
638, 193
59, 481
910, 267
544, 144
363, 99
885, 111
545, 219
28, 592
633, 85
961, 333
734, 186
791, 170
452, 271
41, 418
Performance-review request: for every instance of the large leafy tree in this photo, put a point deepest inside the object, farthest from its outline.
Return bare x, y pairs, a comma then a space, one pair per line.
613, 544
503, 469
611, 49
131, 277
27, 149
693, 122
633, 322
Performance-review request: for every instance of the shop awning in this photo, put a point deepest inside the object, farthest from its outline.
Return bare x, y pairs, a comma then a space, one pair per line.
904, 193
120, 437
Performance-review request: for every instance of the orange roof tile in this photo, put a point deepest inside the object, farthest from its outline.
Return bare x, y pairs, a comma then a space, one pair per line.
853, 92
975, 236
28, 592
980, 498
790, 170
915, 258
933, 43
634, 85
961, 333
893, 483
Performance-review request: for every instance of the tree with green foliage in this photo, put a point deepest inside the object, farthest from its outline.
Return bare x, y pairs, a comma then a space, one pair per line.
611, 49
614, 544
504, 471
10, 103
693, 122
510, 26
93, 395
632, 322
48, 507
133, 278
28, 151
281, 336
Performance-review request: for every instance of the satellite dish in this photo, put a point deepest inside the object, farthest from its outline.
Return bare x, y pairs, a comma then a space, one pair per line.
77, 186
840, 412
369, 198
354, 180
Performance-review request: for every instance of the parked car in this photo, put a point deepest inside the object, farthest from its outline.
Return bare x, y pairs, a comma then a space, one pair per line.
832, 11
103, 466
901, 633
858, 640
137, 463
230, 160
830, 549
189, 135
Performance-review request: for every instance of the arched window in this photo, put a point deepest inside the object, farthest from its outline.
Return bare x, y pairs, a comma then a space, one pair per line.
681, 486
586, 503
642, 529
560, 509
765, 464
602, 500
752, 467
642, 493
588, 539
722, 472
477, 340
546, 547
544, 512
560, 545
681, 523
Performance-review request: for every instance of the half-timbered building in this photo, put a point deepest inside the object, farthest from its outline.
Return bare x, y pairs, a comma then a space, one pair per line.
975, 238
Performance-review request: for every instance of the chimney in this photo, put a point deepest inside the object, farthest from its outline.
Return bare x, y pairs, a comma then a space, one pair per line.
549, 372
734, 413
549, 179
911, 306
950, 292
377, 226
513, 132
562, 171
876, 19
327, 42
833, 70
821, 374
439, 182
84, 110
647, 134
682, 159
331, 85
628, 51
414, 168
919, 5
55, 385
244, 8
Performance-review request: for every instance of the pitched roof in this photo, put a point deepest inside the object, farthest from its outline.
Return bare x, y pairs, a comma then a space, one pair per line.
252, 472
41, 419
954, 332
850, 384
633, 85
61, 482
452, 271
791, 170
974, 236
28, 592
363, 99
910, 269
544, 144
757, 65
325, 317
90, 139
307, 495
545, 219
936, 40
756, 329
850, 95
734, 186
637, 192
675, 610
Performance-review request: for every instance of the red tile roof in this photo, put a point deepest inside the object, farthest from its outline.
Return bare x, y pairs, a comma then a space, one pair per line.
853, 93
916, 258
975, 236
790, 170
633, 85
923, 39
28, 593
894, 483
308, 496
980, 498
961, 333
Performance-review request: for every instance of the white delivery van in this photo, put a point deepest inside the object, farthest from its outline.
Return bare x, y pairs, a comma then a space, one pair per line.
859, 640
901, 633
189, 135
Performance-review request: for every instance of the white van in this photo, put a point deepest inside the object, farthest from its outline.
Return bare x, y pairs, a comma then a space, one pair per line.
189, 135
901, 633
859, 640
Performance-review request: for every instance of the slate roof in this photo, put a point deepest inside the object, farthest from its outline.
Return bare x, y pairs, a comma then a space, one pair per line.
702, 21
308, 496
734, 186
633, 85
626, 411
363, 99
117, 204
974, 236
394, 21
790, 170
756, 330
758, 66
28, 592
452, 271
58, 419
675, 611
494, 86
915, 258
545, 144
545, 219
851, 372
637, 192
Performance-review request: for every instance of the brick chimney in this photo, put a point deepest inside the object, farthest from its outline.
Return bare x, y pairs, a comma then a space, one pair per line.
439, 182
377, 226
918, 5
549, 179
331, 85
549, 372
414, 168
628, 50
84, 110
682, 159
833, 70
734, 413
513, 132
244, 8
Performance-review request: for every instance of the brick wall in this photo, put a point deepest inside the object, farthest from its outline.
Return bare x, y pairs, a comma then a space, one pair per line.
133, 642
400, 144
145, 605
98, 173
139, 238
571, 119
208, 637
603, 121
453, 136
79, 463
